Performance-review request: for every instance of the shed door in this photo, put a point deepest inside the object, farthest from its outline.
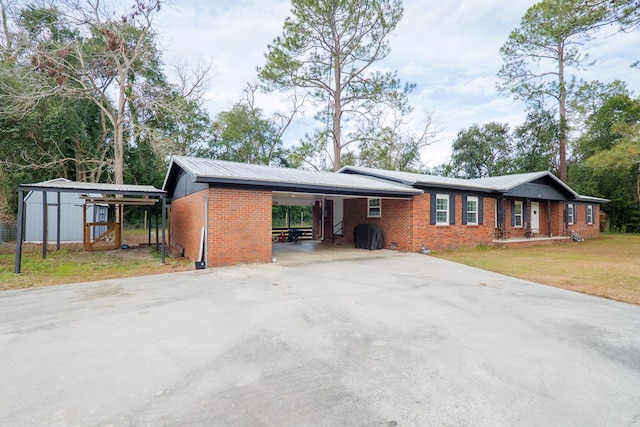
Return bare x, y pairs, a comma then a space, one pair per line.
535, 217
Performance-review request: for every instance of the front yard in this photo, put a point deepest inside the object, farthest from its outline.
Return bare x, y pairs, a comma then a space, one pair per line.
608, 266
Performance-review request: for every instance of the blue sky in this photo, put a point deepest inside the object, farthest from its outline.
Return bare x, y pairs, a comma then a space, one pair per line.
450, 49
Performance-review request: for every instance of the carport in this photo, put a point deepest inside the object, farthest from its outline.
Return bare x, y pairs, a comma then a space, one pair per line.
221, 211
111, 194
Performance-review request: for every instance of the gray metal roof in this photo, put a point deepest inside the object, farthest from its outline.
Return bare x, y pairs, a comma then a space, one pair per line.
410, 178
593, 199
501, 183
65, 185
224, 172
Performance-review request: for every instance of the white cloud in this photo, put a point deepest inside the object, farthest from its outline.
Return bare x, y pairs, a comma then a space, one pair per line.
449, 48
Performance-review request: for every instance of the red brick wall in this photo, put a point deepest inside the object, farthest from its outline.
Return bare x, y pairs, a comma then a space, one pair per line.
187, 219
395, 221
458, 235
580, 226
557, 219
239, 225
406, 224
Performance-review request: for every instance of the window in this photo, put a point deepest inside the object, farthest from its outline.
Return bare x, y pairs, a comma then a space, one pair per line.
517, 214
570, 216
374, 208
589, 214
442, 209
472, 210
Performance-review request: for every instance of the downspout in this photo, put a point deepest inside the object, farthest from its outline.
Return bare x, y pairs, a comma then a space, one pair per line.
206, 231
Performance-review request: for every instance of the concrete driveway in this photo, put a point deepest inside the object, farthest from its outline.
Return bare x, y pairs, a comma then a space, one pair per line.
388, 339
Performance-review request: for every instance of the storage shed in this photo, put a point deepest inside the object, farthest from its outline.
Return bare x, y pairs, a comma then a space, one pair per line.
71, 220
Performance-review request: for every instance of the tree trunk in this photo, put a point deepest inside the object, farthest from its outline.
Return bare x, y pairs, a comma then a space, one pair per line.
563, 114
337, 146
118, 143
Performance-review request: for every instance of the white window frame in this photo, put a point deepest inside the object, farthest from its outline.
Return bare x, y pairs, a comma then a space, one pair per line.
474, 200
570, 214
518, 216
374, 210
444, 197
589, 214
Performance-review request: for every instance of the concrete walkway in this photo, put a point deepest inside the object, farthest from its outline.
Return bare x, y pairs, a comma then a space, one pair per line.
389, 339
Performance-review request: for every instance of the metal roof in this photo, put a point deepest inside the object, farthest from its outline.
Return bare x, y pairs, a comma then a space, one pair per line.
417, 179
500, 184
277, 178
593, 199
65, 185
507, 182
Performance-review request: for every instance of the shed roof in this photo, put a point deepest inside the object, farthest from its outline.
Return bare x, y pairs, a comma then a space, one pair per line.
281, 179
65, 185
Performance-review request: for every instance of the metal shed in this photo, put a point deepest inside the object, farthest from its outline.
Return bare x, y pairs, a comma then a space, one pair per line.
71, 215
111, 194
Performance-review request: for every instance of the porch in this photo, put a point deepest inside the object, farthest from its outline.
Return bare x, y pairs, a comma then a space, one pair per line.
530, 241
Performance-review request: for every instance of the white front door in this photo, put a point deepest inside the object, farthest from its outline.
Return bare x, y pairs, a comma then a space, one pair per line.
535, 217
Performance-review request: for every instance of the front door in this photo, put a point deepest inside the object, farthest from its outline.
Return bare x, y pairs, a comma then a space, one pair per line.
535, 217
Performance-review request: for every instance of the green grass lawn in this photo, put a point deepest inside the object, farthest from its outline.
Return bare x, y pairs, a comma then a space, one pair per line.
608, 266
71, 264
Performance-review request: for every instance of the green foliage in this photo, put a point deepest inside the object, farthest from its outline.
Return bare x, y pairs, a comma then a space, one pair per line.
606, 126
608, 160
537, 55
327, 50
298, 216
536, 143
481, 151
87, 99
244, 135
386, 144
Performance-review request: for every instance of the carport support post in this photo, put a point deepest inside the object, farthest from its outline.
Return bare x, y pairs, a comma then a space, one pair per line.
58, 222
155, 214
45, 222
164, 226
148, 224
20, 234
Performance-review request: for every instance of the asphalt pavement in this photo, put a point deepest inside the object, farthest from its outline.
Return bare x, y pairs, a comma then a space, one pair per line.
387, 339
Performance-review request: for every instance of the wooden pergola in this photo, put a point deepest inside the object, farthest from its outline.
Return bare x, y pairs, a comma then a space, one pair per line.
110, 194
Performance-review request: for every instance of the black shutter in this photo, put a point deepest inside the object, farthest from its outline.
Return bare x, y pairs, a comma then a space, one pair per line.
575, 213
464, 210
586, 217
452, 209
480, 209
513, 213
432, 209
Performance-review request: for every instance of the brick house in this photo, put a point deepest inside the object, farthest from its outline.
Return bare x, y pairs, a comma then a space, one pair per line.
221, 211
453, 213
